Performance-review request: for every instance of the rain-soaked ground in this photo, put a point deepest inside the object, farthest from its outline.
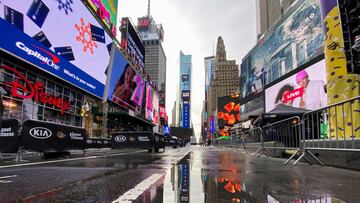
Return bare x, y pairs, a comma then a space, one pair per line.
190, 174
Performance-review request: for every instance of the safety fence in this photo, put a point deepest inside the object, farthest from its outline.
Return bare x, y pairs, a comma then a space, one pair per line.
332, 128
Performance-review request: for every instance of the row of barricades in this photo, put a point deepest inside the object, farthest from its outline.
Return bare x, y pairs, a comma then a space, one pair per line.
40, 136
332, 128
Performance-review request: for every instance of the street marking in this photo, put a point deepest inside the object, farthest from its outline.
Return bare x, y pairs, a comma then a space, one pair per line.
6, 177
66, 160
139, 189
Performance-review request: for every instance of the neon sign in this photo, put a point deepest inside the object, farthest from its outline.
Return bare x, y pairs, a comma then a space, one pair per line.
33, 91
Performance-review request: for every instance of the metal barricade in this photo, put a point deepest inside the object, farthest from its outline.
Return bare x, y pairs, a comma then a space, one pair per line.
332, 128
283, 137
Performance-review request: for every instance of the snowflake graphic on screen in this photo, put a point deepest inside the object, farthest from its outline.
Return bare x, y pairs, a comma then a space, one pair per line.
85, 36
66, 5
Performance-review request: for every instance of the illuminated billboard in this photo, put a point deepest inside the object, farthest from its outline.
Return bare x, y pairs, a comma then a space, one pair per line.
132, 44
126, 86
294, 40
156, 112
186, 115
228, 111
69, 44
306, 89
105, 10
149, 102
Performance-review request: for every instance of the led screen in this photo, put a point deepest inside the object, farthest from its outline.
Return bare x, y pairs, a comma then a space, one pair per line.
126, 86
228, 110
156, 113
132, 44
106, 11
149, 103
67, 42
305, 89
294, 40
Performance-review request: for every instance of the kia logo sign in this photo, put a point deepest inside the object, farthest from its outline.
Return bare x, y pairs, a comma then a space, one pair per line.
120, 138
40, 133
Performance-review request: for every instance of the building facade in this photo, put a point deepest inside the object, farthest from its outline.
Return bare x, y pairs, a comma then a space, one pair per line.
226, 77
268, 12
152, 35
185, 89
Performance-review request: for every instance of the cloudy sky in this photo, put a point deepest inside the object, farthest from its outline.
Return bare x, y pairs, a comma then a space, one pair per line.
193, 26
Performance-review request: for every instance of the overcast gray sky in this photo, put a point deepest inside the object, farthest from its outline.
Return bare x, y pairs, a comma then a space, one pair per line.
193, 26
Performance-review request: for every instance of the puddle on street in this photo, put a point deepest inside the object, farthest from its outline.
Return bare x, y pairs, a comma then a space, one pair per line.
192, 181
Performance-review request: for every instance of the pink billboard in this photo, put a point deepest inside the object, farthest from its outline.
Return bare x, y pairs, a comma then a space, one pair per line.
305, 89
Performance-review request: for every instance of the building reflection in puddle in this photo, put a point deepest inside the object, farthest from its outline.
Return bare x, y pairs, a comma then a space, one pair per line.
219, 179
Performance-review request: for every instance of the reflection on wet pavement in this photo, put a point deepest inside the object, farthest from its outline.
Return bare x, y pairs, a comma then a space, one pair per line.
214, 175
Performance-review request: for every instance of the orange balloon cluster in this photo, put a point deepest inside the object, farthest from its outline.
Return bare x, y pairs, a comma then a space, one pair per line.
231, 114
231, 186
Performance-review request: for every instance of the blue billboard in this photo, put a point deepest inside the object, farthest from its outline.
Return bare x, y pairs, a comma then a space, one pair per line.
68, 43
186, 115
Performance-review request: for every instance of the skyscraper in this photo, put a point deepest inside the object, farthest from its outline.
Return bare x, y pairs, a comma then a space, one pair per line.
152, 35
185, 89
226, 77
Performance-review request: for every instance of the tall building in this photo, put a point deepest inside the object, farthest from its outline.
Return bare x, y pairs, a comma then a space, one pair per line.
152, 35
173, 115
267, 13
209, 63
185, 90
226, 77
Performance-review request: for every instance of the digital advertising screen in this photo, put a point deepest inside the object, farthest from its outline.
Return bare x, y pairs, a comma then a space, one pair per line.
156, 113
105, 10
294, 40
65, 41
228, 111
306, 89
126, 86
186, 115
149, 102
132, 44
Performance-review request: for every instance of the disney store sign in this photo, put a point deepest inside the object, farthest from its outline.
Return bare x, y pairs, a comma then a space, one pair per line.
34, 91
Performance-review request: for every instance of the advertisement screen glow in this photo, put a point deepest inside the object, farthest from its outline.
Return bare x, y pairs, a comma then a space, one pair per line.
306, 89
126, 86
69, 41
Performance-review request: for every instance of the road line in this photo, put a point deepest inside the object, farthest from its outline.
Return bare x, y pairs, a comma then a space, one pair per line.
11, 176
139, 189
66, 160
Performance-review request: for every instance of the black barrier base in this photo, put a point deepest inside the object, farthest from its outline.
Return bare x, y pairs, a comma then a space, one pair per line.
54, 155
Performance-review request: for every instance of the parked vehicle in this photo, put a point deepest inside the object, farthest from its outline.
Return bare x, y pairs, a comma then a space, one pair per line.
172, 141
193, 140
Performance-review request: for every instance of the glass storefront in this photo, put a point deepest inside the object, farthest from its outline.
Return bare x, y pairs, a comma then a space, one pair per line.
23, 109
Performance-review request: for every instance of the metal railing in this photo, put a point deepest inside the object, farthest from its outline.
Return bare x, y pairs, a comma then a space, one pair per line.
332, 128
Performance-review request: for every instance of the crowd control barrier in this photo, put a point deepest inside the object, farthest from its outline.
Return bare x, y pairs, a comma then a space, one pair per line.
332, 128
9, 137
43, 136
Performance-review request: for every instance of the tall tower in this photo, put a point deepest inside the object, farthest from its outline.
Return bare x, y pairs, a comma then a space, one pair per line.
152, 35
226, 77
185, 89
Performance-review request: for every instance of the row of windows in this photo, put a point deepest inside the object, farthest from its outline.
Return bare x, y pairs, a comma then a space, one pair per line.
23, 109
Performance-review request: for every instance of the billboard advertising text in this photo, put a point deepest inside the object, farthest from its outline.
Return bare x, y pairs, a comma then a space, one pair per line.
106, 11
295, 40
228, 110
126, 86
306, 89
132, 44
70, 45
186, 115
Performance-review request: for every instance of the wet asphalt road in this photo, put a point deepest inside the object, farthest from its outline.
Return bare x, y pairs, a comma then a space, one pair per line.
190, 174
